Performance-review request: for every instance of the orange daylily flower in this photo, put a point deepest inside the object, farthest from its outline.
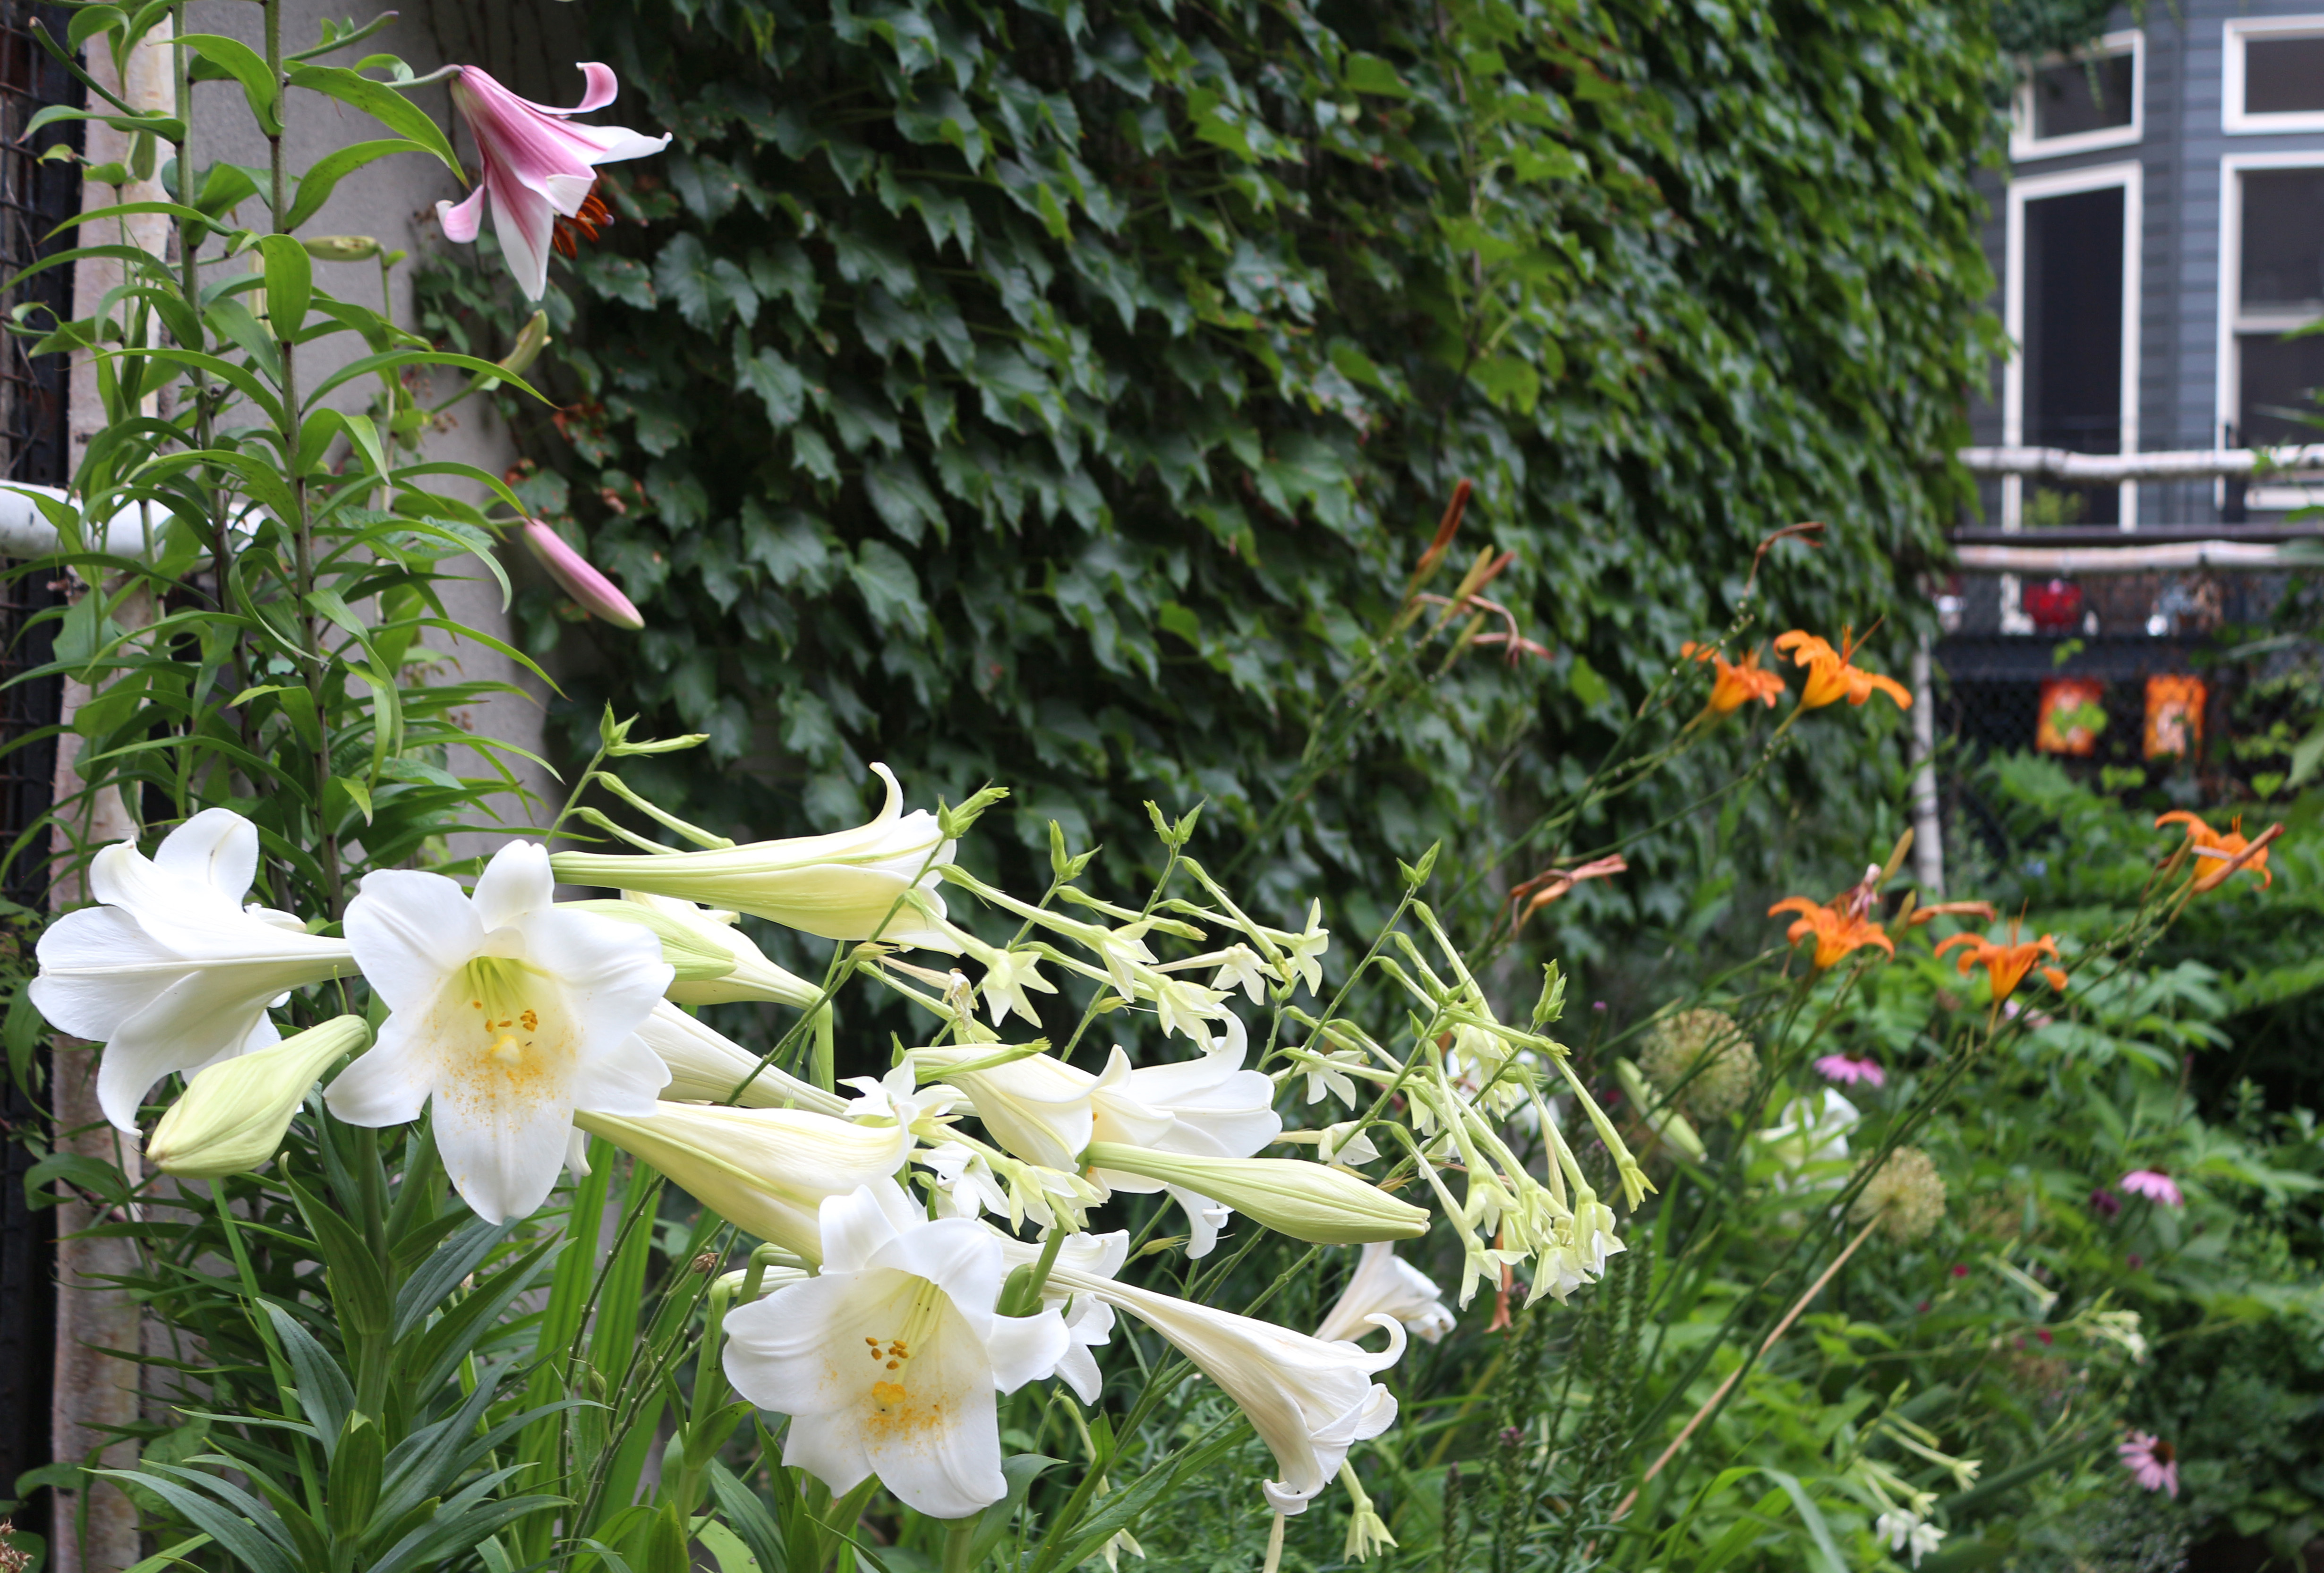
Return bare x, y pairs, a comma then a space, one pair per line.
1738, 682
2008, 964
2221, 851
1837, 931
1830, 678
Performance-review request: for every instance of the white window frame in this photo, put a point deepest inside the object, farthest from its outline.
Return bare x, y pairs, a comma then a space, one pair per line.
2131, 176
2025, 146
2229, 386
2239, 33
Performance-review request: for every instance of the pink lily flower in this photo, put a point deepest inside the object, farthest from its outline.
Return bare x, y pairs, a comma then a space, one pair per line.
1839, 1068
592, 591
2154, 1185
540, 170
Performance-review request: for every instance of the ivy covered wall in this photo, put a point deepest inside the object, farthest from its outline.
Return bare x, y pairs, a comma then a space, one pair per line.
1060, 392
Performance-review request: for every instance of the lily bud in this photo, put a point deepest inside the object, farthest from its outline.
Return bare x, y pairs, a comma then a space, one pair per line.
341, 248
1308, 1201
232, 1116
591, 591
875, 880
531, 340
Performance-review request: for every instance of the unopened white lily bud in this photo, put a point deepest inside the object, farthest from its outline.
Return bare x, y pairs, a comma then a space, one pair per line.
232, 1116
1308, 1201
871, 882
1660, 1113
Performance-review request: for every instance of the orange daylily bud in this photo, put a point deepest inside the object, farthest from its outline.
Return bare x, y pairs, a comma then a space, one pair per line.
2223, 852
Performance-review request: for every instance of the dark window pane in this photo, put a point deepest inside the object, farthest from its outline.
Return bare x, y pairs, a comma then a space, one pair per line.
2284, 75
2073, 332
2082, 96
2284, 238
2280, 375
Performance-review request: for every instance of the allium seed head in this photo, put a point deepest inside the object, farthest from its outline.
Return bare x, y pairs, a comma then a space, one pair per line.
1705, 1055
1906, 1193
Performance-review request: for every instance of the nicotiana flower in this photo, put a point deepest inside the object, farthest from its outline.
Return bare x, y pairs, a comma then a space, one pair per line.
766, 1171
1385, 1284
1310, 1401
1848, 1072
2154, 1185
508, 1013
706, 1067
836, 887
172, 972
540, 169
233, 1114
1906, 1531
2151, 1462
888, 1360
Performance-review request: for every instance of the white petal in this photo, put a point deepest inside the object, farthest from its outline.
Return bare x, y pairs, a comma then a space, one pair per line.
960, 1258
628, 1078
217, 848
1025, 1348
783, 1353
611, 973
503, 1156
99, 967
411, 931
388, 1084
1078, 1370
828, 1447
515, 882
856, 1225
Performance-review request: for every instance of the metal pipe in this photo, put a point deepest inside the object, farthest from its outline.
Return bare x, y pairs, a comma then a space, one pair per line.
2234, 557
2105, 469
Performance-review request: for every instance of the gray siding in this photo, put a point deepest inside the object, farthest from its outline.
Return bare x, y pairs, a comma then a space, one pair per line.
2180, 156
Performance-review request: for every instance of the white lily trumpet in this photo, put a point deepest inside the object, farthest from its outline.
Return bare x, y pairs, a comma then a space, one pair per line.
172, 972
888, 1361
508, 1013
1385, 1284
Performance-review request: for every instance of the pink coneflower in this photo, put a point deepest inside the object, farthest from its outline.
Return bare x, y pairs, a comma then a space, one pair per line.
2151, 1462
1848, 1073
2154, 1185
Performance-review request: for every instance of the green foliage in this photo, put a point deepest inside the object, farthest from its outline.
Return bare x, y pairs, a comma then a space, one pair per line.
1061, 395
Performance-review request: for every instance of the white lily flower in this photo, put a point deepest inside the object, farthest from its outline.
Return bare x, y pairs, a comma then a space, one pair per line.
172, 972
509, 1015
1811, 1130
888, 1360
1215, 1107
1310, 1401
753, 978
766, 1171
1385, 1284
705, 1066
838, 887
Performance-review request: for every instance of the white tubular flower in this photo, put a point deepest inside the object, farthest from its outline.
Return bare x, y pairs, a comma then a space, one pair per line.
753, 978
1385, 1284
172, 972
509, 1015
766, 1171
1310, 1401
1007, 975
970, 1188
1328, 1073
1240, 967
1213, 1106
838, 887
1908, 1532
1304, 952
1041, 1109
1346, 1144
232, 1116
705, 1067
888, 1361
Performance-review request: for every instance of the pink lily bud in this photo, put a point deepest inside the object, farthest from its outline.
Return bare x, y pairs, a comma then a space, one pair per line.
540, 170
594, 594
